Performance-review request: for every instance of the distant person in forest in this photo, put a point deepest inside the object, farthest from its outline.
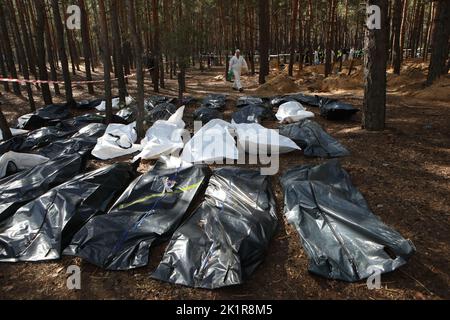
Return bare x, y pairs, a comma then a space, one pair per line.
316, 57
237, 64
351, 55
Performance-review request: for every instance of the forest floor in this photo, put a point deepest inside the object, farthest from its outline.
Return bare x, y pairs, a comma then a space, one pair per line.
404, 173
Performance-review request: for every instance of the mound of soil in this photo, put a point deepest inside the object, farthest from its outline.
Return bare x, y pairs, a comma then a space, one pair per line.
281, 84
439, 91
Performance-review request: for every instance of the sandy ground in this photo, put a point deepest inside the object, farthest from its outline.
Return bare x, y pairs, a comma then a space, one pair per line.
404, 173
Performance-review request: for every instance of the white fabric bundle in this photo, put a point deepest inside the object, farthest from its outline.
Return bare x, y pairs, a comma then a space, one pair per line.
292, 111
115, 104
118, 140
256, 139
164, 137
212, 143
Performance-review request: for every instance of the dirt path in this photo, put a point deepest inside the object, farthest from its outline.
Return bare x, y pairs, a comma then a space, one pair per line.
404, 173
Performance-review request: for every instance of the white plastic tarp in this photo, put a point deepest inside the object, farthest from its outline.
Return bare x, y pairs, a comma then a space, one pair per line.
20, 161
212, 143
119, 140
255, 139
164, 137
14, 132
292, 111
115, 104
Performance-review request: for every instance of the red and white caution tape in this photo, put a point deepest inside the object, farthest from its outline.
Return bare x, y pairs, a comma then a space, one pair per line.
24, 81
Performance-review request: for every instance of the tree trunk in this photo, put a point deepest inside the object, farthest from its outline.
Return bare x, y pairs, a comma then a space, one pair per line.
396, 29
264, 40
136, 38
62, 52
118, 51
293, 37
403, 32
3, 70
86, 45
51, 55
27, 40
375, 62
439, 41
106, 60
6, 132
40, 49
7, 48
21, 53
330, 37
156, 46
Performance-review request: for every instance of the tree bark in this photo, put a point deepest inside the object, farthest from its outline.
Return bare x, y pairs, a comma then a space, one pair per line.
156, 45
136, 38
375, 62
293, 36
6, 132
396, 26
62, 52
21, 54
40, 49
106, 60
439, 42
118, 51
86, 45
7, 48
264, 40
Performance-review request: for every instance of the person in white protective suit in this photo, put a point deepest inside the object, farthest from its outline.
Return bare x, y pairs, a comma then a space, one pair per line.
237, 64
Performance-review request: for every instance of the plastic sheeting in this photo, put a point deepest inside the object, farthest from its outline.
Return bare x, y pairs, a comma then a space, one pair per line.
153, 101
255, 139
115, 104
83, 120
276, 102
13, 162
23, 187
86, 104
42, 117
164, 137
40, 230
215, 101
119, 140
336, 110
162, 111
146, 214
225, 240
82, 142
342, 237
37, 139
14, 132
246, 101
128, 114
212, 143
205, 115
314, 141
291, 112
313, 101
252, 114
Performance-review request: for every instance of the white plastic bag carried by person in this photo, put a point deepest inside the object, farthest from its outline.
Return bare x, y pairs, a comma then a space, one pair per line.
115, 104
291, 112
212, 143
14, 132
119, 140
19, 162
164, 137
256, 140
